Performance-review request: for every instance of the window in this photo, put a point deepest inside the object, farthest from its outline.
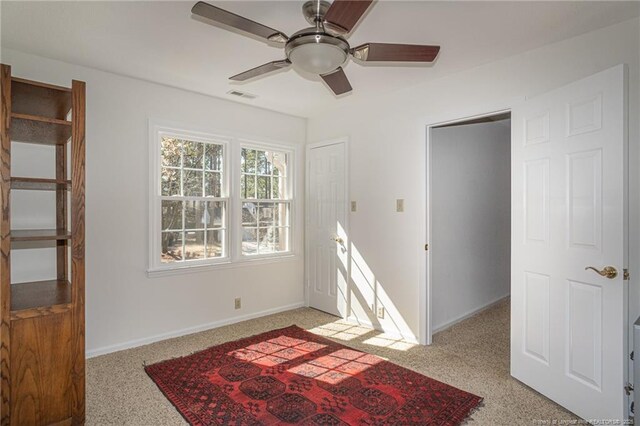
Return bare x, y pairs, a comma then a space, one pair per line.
265, 202
191, 196
217, 200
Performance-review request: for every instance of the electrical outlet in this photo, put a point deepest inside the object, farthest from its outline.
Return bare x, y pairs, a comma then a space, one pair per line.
238, 303
380, 312
353, 206
400, 205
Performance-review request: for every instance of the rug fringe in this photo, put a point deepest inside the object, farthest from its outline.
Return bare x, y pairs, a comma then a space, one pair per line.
467, 420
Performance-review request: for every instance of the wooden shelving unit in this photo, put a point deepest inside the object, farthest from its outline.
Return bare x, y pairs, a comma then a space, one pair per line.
42, 354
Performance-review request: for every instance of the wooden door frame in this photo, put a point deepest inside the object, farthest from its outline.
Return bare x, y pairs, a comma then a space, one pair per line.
425, 284
337, 141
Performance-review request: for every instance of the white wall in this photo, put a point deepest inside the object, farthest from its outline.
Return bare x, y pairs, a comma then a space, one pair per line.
124, 307
470, 243
387, 151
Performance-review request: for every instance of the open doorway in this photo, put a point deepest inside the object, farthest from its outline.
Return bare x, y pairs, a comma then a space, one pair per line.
469, 211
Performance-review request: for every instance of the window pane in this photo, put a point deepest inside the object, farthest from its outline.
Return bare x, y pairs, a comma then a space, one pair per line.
212, 184
278, 188
213, 157
171, 149
195, 216
194, 245
264, 167
248, 160
272, 240
193, 154
279, 163
249, 241
171, 250
170, 180
215, 243
281, 239
281, 214
264, 187
214, 214
249, 214
248, 186
192, 183
263, 240
265, 214
171, 215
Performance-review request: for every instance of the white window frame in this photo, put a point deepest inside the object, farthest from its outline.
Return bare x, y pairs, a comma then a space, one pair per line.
232, 150
155, 197
290, 188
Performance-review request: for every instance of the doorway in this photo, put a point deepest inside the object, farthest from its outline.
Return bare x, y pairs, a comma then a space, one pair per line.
469, 210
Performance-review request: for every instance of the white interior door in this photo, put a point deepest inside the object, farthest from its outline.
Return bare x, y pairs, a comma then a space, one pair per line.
569, 212
326, 224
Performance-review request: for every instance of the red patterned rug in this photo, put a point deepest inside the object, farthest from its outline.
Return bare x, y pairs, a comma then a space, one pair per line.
291, 376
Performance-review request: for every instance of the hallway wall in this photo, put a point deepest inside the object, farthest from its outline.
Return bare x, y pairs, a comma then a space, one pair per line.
470, 199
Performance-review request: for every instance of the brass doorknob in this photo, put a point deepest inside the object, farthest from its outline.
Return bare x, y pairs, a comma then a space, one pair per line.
338, 240
608, 271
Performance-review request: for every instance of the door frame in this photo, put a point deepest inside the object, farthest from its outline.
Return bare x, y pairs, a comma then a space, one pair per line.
344, 141
425, 284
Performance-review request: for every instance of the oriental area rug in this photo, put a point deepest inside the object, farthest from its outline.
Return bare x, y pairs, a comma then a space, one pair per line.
291, 376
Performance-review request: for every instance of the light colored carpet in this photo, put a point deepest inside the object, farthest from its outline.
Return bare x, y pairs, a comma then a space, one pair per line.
472, 355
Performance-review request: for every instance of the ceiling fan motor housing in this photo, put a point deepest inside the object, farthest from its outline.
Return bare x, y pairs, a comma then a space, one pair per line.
314, 10
316, 52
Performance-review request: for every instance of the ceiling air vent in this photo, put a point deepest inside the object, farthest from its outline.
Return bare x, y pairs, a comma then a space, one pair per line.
242, 94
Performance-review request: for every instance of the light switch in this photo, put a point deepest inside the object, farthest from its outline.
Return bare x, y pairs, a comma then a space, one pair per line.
400, 205
353, 206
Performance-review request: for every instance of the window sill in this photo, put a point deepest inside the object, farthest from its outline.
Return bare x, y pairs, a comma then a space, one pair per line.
228, 264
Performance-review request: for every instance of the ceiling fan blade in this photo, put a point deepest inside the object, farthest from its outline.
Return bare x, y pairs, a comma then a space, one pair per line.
224, 17
262, 69
345, 14
337, 81
371, 52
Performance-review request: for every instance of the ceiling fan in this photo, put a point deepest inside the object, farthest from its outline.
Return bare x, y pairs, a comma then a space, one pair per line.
321, 49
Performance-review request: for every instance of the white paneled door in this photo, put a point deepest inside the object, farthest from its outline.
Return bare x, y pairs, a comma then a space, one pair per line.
326, 223
569, 195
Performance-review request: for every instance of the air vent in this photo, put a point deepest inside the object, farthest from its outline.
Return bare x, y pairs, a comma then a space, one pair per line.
242, 94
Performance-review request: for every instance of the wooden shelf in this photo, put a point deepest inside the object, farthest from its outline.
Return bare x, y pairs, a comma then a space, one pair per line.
35, 98
39, 184
43, 331
39, 130
40, 235
39, 298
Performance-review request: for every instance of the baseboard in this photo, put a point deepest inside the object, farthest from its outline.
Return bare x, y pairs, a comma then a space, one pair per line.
190, 330
470, 313
392, 334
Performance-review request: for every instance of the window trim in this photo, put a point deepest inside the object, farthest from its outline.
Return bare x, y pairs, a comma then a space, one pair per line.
232, 146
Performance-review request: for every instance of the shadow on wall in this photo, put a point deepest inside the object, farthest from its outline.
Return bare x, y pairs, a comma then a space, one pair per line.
361, 296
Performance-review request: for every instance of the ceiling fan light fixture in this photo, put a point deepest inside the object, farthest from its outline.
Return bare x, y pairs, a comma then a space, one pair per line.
317, 53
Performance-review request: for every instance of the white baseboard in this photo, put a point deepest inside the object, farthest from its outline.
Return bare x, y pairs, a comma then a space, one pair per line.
470, 313
392, 334
190, 330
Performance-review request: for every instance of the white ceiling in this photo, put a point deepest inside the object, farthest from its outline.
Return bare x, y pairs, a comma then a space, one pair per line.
162, 42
